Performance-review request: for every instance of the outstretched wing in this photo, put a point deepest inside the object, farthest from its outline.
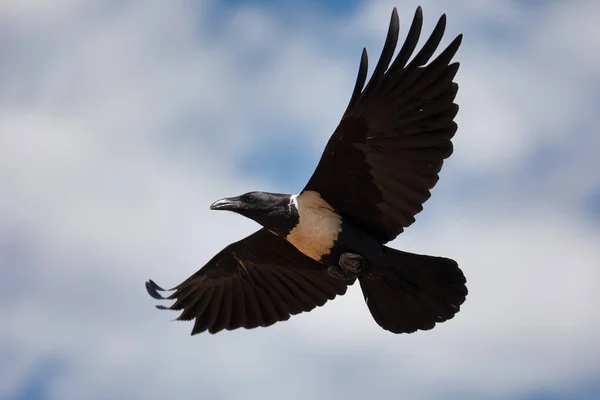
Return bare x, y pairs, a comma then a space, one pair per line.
257, 281
385, 155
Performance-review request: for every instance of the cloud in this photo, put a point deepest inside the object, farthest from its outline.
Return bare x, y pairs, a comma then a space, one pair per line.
121, 124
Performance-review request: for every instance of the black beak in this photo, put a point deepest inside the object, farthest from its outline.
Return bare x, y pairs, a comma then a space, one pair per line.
229, 204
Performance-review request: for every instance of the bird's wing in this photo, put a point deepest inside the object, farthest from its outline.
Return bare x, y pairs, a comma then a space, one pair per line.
257, 281
385, 155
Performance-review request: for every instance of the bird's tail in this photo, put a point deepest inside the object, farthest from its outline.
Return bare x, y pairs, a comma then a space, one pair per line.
410, 292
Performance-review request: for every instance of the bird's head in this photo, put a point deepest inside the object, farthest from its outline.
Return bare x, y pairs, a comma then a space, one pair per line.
271, 210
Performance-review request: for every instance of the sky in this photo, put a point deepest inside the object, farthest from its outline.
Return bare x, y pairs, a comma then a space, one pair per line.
121, 122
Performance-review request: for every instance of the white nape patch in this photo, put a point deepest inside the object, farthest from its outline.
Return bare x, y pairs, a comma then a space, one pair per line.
294, 200
318, 227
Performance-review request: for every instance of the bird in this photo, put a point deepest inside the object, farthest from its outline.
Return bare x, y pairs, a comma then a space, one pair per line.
377, 170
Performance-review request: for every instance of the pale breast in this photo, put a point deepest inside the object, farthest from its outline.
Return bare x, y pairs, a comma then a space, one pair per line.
318, 227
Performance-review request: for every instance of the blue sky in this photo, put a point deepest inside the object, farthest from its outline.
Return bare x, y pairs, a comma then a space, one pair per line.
120, 124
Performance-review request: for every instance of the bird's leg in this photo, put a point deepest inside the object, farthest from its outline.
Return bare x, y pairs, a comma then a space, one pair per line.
335, 271
350, 267
352, 264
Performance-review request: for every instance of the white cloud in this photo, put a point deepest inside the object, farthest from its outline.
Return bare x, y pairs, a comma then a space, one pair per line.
131, 121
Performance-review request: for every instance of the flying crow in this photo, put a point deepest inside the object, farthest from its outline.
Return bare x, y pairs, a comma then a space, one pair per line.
376, 172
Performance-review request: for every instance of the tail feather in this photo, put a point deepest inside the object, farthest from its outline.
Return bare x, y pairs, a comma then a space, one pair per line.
411, 292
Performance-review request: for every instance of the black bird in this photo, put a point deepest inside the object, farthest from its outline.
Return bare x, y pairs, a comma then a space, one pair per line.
376, 172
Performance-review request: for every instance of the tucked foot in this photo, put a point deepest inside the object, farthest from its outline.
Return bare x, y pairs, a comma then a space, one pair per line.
352, 264
335, 271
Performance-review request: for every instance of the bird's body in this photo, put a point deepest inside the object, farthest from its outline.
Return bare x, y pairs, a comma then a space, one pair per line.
319, 226
373, 177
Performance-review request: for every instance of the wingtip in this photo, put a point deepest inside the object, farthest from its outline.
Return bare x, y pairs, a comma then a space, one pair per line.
394, 23
417, 22
443, 20
419, 12
152, 288
394, 15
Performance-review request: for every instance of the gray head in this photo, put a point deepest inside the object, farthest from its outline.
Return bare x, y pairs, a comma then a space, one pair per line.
272, 210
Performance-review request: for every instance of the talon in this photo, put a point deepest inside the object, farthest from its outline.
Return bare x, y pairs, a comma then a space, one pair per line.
352, 263
338, 273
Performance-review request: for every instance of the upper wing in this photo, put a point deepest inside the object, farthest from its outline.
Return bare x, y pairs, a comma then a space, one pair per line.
387, 151
256, 281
